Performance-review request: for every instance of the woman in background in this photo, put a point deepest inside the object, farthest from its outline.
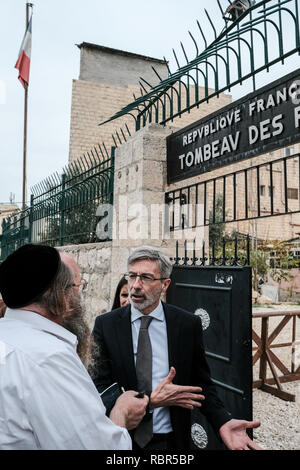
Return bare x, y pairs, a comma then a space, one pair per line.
121, 296
2, 308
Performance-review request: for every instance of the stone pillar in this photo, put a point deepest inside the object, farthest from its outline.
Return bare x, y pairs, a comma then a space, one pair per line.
139, 187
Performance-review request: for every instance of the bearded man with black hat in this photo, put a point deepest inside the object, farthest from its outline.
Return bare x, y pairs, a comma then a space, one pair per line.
47, 398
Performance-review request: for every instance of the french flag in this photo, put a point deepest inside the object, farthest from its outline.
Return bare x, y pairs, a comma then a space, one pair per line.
23, 62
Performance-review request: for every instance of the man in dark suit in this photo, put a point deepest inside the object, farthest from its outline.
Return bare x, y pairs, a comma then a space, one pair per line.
150, 337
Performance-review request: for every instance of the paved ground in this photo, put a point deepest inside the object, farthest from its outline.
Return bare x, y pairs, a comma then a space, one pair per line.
280, 419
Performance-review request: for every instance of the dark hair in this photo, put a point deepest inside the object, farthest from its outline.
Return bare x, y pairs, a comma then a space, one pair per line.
55, 298
2, 308
116, 303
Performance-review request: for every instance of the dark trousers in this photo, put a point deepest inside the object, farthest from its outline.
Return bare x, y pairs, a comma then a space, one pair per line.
158, 442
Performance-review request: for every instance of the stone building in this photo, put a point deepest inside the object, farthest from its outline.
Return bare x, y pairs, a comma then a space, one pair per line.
6, 210
108, 81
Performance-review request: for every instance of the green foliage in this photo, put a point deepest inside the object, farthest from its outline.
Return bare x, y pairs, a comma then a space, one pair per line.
71, 215
260, 266
282, 272
273, 257
76, 225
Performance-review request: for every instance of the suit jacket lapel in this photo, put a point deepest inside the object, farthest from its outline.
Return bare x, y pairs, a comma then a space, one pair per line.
124, 336
173, 335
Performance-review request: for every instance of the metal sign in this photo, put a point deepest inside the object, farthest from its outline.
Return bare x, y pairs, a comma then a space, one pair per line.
260, 122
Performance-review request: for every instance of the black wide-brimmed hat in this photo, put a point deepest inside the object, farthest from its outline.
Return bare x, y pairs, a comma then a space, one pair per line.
28, 273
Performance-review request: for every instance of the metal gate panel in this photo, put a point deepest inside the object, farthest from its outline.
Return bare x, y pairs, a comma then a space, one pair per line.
221, 296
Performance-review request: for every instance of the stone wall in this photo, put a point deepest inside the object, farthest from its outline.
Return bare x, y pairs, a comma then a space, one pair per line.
108, 79
7, 210
115, 67
94, 261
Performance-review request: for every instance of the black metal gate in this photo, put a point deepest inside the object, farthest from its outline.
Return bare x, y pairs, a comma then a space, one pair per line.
221, 296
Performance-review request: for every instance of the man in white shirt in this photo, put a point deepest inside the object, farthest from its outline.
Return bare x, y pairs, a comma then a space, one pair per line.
47, 399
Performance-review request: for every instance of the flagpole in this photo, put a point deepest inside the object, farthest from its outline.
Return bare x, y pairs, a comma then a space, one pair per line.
28, 6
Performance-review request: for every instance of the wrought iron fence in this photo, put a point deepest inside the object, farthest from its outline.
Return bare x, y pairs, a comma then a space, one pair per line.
265, 34
269, 189
229, 252
63, 207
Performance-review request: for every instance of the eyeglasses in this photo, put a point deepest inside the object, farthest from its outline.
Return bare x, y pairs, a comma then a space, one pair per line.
83, 284
145, 278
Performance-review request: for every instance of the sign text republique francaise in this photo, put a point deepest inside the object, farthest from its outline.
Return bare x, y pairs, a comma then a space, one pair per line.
258, 123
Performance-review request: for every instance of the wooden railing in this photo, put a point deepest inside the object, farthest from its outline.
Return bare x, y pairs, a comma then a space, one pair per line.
265, 353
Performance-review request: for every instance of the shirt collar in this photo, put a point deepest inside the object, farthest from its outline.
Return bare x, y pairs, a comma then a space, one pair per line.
157, 313
38, 322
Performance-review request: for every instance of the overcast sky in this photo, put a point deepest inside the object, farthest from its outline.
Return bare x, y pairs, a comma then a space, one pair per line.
148, 28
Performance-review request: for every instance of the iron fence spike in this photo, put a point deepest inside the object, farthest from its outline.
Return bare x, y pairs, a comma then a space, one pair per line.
108, 156
220, 7
203, 36
94, 158
53, 181
81, 164
186, 57
102, 154
114, 140
147, 83
167, 64
156, 73
117, 134
123, 134
211, 23
86, 162
174, 53
96, 151
143, 88
128, 130
195, 43
91, 161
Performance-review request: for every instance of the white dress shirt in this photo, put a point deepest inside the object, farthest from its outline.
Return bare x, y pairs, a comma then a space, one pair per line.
47, 398
160, 359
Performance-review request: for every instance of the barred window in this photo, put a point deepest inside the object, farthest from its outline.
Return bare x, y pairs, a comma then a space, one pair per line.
292, 193
270, 190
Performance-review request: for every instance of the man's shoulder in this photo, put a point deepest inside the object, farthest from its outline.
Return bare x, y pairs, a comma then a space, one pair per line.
113, 315
180, 312
33, 346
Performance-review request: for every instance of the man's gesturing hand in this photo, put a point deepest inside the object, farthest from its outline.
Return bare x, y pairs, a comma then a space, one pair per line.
129, 410
169, 394
234, 436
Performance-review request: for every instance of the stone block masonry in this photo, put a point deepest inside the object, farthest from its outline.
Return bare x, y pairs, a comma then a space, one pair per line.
93, 103
108, 81
94, 261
